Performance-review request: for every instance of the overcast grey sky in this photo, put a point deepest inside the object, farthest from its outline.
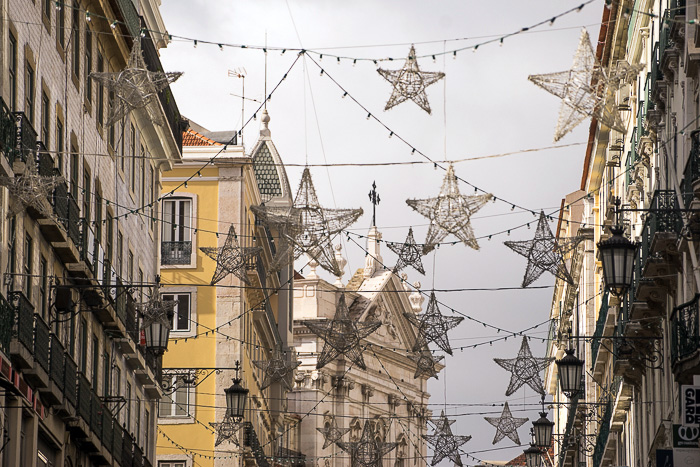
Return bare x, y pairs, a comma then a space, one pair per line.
484, 106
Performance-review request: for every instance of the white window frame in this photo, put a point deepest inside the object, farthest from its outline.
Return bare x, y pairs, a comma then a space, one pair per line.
170, 460
188, 231
192, 292
187, 418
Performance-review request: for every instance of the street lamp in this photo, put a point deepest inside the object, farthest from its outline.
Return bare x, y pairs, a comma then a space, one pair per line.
533, 456
618, 255
543, 429
570, 373
236, 397
157, 333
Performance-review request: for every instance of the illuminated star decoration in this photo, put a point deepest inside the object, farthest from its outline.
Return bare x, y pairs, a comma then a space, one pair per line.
332, 434
368, 451
506, 425
341, 336
278, 368
449, 213
410, 83
524, 369
135, 87
156, 310
30, 190
582, 90
425, 364
445, 444
226, 430
432, 326
408, 252
544, 253
231, 258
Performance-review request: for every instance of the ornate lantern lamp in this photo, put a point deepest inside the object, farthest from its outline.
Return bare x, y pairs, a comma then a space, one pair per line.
236, 397
570, 371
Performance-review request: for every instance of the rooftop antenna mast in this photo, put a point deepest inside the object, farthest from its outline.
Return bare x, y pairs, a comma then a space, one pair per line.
240, 72
265, 97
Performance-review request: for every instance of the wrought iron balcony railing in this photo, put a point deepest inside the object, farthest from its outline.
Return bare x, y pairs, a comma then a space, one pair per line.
172, 253
24, 320
7, 132
70, 374
84, 398
57, 362
599, 327
685, 332
42, 335
25, 137
7, 320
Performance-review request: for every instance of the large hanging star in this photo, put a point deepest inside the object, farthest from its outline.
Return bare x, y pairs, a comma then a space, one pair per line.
135, 87
332, 433
544, 253
445, 444
409, 253
582, 90
449, 213
231, 258
308, 226
286, 222
342, 336
278, 368
369, 450
425, 364
524, 369
410, 82
226, 430
432, 326
29, 190
506, 425
156, 310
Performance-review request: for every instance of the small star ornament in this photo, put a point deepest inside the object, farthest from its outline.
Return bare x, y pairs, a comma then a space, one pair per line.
582, 89
135, 87
506, 425
524, 369
332, 433
445, 444
278, 368
544, 253
410, 82
408, 252
449, 213
425, 364
368, 451
226, 430
156, 310
29, 190
231, 258
342, 336
432, 326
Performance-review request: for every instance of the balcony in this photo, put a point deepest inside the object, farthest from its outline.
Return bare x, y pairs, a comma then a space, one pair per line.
38, 376
25, 141
685, 338
22, 346
604, 327
660, 233
7, 133
7, 319
175, 253
57, 365
64, 232
251, 440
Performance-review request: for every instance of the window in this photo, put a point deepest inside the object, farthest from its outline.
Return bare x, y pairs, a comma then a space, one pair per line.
132, 150
112, 129
176, 404
171, 464
60, 143
45, 118
88, 64
43, 288
128, 407
28, 257
106, 387
46, 7
122, 160
181, 316
152, 194
83, 345
98, 214
75, 39
12, 57
176, 246
137, 438
95, 361
120, 253
130, 265
109, 245
61, 28
74, 170
29, 89
100, 93
142, 171
86, 195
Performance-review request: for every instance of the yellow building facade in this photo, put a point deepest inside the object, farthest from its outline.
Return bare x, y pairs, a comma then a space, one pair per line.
215, 326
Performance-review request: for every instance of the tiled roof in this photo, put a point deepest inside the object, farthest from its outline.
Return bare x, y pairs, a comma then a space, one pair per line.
192, 138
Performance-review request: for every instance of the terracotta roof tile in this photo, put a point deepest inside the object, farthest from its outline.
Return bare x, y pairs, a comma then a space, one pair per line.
192, 138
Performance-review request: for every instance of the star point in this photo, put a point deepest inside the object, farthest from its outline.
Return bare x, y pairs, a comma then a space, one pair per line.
425, 364
408, 252
226, 430
332, 433
432, 326
276, 369
506, 425
445, 443
410, 82
368, 451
